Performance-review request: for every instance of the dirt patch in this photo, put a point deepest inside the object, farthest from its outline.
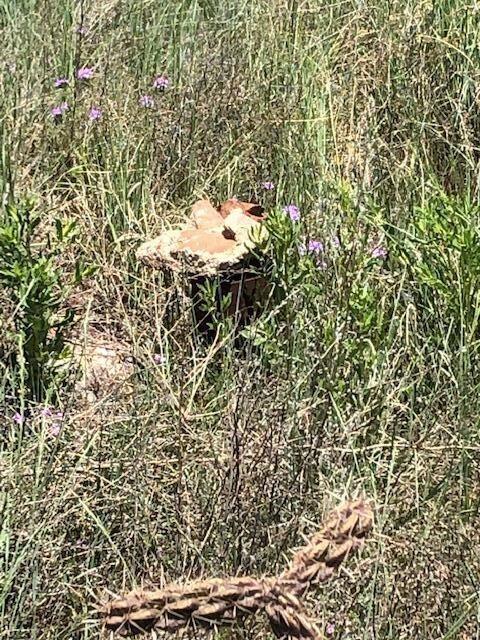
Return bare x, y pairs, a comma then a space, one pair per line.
105, 365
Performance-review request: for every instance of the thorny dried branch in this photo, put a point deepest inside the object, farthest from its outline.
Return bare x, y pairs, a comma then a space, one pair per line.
221, 601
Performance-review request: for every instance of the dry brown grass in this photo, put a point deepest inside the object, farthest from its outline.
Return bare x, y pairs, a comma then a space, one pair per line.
212, 462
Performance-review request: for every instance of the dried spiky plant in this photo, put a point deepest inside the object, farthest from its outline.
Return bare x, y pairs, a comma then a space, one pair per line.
221, 601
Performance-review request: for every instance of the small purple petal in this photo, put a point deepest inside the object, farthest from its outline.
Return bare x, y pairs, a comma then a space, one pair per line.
147, 102
330, 629
293, 212
379, 252
58, 111
46, 412
268, 185
159, 359
336, 242
95, 113
18, 418
315, 246
161, 82
61, 82
85, 73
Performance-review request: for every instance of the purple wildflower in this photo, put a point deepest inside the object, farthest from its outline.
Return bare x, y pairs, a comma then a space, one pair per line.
161, 82
268, 185
336, 242
159, 359
84, 73
315, 246
61, 82
18, 418
82, 30
147, 102
58, 111
46, 412
94, 114
330, 629
379, 252
293, 211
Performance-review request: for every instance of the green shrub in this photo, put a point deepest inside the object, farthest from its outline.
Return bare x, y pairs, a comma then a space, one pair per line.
439, 247
37, 287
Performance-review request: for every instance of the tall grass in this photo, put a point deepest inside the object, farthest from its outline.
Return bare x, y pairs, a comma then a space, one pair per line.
362, 378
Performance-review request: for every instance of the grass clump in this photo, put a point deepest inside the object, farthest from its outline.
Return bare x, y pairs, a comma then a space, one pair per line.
359, 378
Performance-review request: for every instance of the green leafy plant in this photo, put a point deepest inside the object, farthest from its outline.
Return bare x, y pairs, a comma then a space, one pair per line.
294, 279
440, 248
37, 287
213, 305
